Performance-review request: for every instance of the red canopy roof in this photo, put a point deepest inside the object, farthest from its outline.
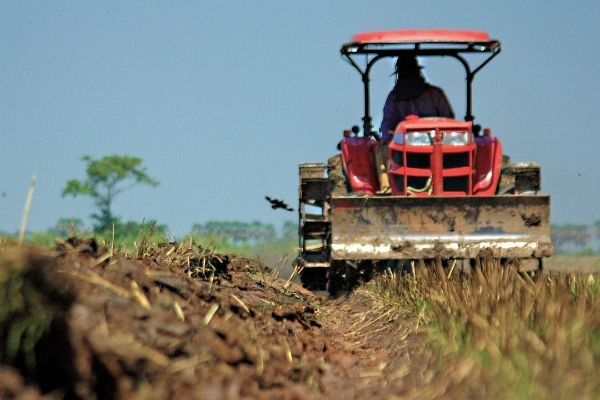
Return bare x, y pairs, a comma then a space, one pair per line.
421, 36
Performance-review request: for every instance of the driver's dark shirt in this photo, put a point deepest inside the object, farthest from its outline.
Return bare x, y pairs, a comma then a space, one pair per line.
432, 102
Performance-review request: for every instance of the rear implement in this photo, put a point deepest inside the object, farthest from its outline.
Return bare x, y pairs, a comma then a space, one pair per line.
393, 228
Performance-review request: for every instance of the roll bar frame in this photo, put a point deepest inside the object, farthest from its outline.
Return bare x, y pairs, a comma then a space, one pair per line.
431, 49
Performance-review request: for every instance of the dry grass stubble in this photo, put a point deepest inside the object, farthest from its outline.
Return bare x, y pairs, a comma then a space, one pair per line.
499, 333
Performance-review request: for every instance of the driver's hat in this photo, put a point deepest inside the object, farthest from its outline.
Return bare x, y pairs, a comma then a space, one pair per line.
407, 64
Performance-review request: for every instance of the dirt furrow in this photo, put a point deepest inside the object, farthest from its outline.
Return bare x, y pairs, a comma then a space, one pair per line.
182, 322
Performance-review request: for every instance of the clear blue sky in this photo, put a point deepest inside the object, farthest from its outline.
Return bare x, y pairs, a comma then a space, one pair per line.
224, 99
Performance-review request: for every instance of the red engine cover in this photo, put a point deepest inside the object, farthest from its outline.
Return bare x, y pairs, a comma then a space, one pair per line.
436, 169
439, 168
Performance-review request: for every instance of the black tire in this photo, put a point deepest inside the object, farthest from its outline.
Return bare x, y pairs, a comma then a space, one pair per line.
342, 278
314, 278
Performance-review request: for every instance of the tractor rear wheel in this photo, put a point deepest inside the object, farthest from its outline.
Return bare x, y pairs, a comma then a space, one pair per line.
341, 278
314, 278
344, 275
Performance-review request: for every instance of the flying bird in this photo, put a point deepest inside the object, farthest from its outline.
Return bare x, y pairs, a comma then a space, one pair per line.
276, 203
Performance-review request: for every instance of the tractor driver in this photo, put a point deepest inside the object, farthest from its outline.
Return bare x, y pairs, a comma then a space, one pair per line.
411, 95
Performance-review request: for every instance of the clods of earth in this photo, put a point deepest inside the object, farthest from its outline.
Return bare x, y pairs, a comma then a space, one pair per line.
179, 321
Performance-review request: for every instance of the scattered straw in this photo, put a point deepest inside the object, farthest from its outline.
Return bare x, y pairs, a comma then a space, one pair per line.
102, 258
452, 269
211, 281
178, 311
240, 302
196, 261
96, 279
211, 311
139, 295
288, 350
294, 275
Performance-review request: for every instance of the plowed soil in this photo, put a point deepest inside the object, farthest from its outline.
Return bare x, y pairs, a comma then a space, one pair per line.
182, 323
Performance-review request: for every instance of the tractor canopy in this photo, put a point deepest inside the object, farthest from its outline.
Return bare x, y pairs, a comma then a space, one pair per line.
468, 40
435, 42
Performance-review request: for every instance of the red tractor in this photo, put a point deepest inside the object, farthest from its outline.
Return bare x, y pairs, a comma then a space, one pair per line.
454, 197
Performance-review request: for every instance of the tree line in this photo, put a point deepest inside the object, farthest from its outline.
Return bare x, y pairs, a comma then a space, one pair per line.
109, 176
576, 237
231, 233
245, 232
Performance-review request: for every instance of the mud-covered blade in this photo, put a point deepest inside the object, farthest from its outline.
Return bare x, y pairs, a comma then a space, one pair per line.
394, 227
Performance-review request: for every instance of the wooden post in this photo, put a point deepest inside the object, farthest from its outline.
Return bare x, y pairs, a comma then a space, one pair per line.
26, 210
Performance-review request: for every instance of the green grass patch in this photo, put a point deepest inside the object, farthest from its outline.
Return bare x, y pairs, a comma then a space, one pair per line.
26, 311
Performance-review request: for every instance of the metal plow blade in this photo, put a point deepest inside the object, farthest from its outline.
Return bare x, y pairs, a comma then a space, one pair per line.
376, 228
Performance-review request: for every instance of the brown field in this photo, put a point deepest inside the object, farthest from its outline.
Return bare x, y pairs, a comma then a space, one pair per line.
575, 264
178, 321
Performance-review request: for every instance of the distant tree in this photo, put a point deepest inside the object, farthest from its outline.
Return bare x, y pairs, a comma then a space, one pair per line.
576, 235
290, 230
108, 177
66, 227
256, 230
237, 232
132, 229
596, 229
269, 233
